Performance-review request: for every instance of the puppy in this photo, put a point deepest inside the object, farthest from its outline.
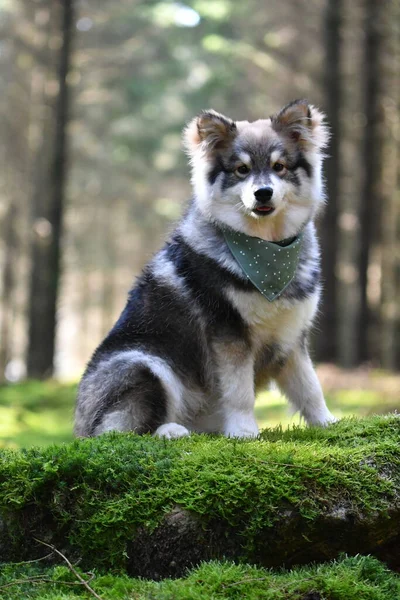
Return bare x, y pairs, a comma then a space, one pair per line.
204, 330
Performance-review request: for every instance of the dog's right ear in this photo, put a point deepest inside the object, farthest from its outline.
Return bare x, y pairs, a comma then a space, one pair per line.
209, 132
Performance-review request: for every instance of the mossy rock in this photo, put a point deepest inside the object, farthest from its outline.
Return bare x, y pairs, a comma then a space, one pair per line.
154, 507
358, 578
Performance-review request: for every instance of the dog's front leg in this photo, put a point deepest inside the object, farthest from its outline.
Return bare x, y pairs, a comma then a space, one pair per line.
299, 382
236, 387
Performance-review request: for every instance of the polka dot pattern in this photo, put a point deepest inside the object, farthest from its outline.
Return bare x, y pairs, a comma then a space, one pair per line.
270, 266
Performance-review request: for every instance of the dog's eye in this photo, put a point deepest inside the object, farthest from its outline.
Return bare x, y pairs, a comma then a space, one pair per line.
243, 170
278, 167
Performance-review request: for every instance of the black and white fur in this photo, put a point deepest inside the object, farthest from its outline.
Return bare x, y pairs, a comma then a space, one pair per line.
196, 340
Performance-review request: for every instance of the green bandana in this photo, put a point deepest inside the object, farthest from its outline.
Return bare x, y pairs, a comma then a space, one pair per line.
270, 266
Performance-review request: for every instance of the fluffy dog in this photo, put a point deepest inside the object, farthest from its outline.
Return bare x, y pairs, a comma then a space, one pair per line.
198, 337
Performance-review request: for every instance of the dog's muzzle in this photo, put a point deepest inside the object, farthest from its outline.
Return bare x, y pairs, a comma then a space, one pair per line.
263, 205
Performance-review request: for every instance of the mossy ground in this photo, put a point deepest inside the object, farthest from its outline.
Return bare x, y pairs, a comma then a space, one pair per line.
97, 493
358, 578
41, 413
36, 413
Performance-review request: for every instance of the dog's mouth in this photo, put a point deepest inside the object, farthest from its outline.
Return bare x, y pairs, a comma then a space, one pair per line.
263, 210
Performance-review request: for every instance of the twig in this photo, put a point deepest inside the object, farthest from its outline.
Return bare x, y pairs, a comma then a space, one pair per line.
273, 462
40, 579
28, 562
250, 579
71, 568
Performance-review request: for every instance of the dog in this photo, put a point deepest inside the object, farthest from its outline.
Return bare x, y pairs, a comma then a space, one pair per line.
198, 337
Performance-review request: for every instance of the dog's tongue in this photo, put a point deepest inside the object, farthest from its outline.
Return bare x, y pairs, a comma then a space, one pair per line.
265, 208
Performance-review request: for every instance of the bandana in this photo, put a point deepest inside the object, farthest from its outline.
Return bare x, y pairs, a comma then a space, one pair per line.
270, 266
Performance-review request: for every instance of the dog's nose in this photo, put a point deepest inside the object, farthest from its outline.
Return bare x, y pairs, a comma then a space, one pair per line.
264, 194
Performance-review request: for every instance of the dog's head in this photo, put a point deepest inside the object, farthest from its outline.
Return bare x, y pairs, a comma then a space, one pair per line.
262, 178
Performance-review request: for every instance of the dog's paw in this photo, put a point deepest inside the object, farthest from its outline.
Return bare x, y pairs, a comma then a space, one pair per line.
242, 433
241, 426
330, 420
171, 431
327, 419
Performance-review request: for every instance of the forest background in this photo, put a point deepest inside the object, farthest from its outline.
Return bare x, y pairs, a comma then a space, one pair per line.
93, 97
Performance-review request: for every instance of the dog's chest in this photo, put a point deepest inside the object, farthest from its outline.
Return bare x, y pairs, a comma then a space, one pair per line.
280, 322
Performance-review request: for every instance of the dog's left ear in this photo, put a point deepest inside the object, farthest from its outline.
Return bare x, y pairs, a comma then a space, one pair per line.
303, 124
209, 132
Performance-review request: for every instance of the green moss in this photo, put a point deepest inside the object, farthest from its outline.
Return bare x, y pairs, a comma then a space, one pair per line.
36, 412
359, 578
97, 493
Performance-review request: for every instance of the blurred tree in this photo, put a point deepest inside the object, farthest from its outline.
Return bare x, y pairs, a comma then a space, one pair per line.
327, 340
15, 92
371, 198
10, 242
351, 176
389, 187
9, 222
49, 192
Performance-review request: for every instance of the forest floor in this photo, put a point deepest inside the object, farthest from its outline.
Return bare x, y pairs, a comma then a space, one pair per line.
41, 413
356, 578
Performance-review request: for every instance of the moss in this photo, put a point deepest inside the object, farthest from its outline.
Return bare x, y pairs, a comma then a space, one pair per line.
36, 412
96, 495
358, 578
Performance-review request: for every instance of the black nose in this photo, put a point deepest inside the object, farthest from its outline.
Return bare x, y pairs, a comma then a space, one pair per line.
264, 194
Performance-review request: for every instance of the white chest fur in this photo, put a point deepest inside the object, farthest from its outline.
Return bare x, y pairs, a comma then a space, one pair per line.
279, 322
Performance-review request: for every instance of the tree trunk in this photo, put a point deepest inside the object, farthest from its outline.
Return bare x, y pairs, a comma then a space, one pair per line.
47, 219
326, 343
351, 169
15, 103
7, 288
371, 199
390, 281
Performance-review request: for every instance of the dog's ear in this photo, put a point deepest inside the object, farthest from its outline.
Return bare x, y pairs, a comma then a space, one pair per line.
303, 124
209, 132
